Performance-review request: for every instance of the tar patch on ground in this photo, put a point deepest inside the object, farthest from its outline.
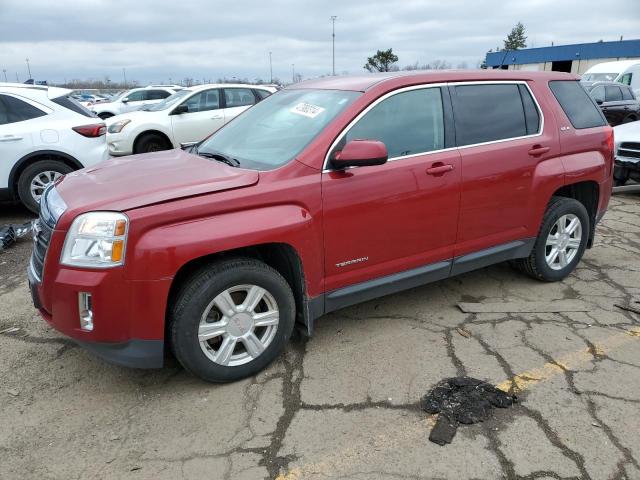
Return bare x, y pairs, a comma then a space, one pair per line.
461, 400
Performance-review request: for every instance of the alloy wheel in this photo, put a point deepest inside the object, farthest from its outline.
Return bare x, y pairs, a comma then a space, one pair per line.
563, 241
41, 181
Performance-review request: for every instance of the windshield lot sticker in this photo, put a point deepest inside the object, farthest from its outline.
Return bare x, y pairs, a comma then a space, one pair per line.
307, 110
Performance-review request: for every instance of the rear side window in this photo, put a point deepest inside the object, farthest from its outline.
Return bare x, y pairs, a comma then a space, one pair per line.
627, 94
612, 94
156, 94
73, 105
577, 105
407, 123
531, 113
486, 113
13, 110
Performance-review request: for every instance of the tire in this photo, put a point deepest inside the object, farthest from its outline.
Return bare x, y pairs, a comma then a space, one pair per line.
629, 119
38, 175
536, 264
620, 176
105, 115
196, 307
151, 142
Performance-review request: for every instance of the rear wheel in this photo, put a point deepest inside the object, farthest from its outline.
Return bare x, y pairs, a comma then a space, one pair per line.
151, 142
36, 177
561, 241
231, 319
629, 118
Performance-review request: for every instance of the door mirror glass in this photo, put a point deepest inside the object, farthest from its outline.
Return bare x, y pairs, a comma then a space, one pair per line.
360, 153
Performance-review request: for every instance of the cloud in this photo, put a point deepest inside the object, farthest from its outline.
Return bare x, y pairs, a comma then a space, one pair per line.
158, 40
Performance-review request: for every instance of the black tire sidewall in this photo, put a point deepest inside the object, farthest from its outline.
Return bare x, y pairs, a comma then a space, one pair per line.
184, 328
142, 145
568, 206
28, 174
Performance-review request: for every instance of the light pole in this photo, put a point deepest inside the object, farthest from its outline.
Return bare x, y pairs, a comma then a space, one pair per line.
28, 67
4, 70
124, 74
293, 73
270, 68
333, 42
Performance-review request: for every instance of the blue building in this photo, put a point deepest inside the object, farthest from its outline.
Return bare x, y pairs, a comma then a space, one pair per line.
575, 58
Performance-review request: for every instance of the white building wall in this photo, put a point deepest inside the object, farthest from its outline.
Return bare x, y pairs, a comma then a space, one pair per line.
577, 66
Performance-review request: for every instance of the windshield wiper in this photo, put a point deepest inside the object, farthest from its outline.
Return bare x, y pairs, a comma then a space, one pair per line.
221, 157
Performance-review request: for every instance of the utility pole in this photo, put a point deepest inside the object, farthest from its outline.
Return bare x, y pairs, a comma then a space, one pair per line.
28, 68
293, 73
17, 81
4, 70
124, 74
333, 43
270, 68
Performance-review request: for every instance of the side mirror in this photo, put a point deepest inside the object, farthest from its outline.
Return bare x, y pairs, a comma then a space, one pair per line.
125, 100
360, 153
180, 109
187, 146
599, 102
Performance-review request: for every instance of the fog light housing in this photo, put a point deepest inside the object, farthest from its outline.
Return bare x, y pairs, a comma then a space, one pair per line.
85, 311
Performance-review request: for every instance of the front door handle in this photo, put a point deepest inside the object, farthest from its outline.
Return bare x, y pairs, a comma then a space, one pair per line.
439, 168
216, 117
538, 150
10, 138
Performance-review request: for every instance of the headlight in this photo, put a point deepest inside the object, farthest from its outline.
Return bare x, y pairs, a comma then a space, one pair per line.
116, 127
97, 240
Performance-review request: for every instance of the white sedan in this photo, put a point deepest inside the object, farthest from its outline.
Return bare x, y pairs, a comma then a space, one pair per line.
187, 116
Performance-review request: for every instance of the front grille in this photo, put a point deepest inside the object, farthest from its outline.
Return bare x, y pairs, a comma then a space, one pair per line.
629, 150
41, 239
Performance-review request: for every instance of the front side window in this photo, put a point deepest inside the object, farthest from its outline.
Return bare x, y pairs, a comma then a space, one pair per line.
490, 112
136, 96
13, 110
203, 101
626, 78
407, 123
577, 105
278, 128
612, 94
238, 97
262, 94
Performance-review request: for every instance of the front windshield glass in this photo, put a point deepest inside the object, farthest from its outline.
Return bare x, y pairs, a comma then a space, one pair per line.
274, 131
168, 102
599, 77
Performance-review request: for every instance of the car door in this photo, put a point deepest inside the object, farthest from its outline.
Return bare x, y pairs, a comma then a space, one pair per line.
236, 101
631, 106
202, 117
16, 132
133, 101
613, 106
402, 215
502, 137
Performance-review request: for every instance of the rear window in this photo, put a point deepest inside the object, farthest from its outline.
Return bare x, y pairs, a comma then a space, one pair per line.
576, 103
73, 105
490, 112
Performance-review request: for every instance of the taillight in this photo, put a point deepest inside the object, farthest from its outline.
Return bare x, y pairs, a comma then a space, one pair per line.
610, 143
94, 130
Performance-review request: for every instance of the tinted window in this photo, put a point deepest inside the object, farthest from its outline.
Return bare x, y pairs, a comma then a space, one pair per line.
626, 78
238, 97
157, 94
262, 94
407, 123
136, 96
577, 104
484, 113
531, 113
203, 101
71, 104
598, 94
612, 94
13, 110
627, 94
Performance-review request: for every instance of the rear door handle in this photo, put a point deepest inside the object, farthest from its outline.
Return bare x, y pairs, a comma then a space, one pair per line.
538, 150
10, 138
439, 168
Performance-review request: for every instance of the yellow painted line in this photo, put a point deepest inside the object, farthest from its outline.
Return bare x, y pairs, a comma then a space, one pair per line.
524, 380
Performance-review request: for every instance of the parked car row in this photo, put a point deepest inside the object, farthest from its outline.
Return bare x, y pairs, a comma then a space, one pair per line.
617, 101
133, 99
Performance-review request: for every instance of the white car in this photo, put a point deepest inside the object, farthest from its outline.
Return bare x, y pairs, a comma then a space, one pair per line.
133, 99
44, 134
187, 116
627, 148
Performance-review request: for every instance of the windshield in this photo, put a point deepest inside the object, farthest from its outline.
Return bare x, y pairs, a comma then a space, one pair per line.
168, 102
599, 77
275, 130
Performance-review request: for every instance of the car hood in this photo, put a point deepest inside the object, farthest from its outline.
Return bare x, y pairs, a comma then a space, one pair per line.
627, 132
138, 180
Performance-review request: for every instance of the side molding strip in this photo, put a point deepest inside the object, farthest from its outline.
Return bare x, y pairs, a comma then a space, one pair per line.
499, 253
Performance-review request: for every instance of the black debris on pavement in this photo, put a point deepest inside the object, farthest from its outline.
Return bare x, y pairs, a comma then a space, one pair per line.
10, 233
461, 400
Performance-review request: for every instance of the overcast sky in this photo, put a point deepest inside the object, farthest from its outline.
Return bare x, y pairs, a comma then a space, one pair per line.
157, 40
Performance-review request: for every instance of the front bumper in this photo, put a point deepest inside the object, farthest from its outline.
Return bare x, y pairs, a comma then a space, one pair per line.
119, 144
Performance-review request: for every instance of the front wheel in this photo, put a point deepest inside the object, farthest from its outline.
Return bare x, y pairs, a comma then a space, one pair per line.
36, 178
231, 319
561, 241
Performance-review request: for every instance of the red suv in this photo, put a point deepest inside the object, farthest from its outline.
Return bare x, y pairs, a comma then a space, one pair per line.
325, 194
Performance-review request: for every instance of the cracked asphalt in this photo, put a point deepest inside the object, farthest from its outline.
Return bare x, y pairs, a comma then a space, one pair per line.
345, 403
